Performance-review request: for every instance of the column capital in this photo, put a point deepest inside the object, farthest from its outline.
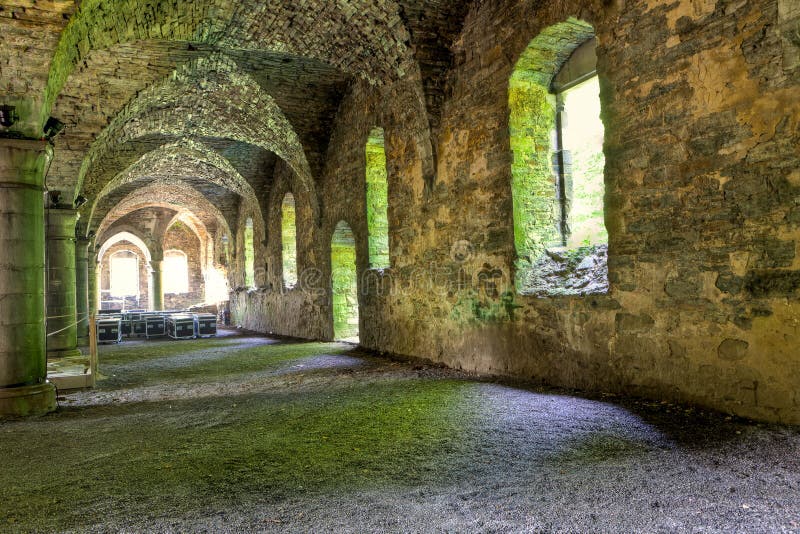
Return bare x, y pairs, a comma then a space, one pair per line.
23, 163
61, 223
83, 240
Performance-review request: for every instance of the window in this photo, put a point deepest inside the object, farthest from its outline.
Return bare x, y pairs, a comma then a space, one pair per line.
289, 240
249, 255
124, 267
344, 282
579, 150
176, 272
377, 200
557, 170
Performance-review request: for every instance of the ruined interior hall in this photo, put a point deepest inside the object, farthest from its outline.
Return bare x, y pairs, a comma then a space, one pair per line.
400, 265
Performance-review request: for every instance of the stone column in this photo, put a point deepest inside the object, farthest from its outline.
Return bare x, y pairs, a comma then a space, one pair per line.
24, 389
62, 330
82, 288
157, 285
94, 277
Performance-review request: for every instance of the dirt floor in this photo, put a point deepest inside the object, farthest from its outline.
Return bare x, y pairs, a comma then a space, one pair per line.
245, 433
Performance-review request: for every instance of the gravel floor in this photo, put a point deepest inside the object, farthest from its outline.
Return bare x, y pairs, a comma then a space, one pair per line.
244, 433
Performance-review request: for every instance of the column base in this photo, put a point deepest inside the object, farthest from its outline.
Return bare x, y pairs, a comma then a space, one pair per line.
83, 341
25, 401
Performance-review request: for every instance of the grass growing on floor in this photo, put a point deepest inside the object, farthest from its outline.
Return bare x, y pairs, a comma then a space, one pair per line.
202, 360
139, 350
85, 466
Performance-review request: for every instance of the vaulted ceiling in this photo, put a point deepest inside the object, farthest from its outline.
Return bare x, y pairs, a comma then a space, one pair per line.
199, 99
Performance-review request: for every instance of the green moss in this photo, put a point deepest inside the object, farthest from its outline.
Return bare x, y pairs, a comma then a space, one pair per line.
377, 201
533, 183
474, 308
167, 458
289, 240
195, 361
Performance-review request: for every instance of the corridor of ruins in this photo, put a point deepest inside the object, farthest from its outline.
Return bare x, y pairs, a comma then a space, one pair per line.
428, 234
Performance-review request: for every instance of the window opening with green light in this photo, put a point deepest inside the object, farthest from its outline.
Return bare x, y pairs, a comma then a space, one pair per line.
377, 200
558, 164
289, 241
249, 255
176, 272
344, 282
124, 274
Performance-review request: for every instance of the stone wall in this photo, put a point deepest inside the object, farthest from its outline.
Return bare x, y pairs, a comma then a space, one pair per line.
702, 188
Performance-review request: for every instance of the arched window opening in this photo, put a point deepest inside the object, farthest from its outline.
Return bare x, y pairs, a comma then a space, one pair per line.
289, 240
225, 253
176, 272
124, 274
216, 286
249, 255
344, 282
377, 200
557, 170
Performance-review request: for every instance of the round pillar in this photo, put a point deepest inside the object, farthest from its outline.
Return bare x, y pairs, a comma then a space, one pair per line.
82, 288
62, 328
24, 389
94, 293
157, 284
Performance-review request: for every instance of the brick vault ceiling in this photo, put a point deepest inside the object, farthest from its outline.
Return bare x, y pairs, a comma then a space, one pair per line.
86, 66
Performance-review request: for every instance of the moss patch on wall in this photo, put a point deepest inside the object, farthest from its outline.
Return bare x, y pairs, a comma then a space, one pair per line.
377, 200
533, 182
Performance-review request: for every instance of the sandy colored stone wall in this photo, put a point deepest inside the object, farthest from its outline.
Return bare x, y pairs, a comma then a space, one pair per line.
701, 114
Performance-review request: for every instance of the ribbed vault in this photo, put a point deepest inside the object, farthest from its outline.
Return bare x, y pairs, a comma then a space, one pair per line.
360, 37
175, 195
186, 161
209, 98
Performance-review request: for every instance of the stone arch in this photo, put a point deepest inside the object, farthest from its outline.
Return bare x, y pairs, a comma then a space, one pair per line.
366, 39
198, 228
124, 234
191, 103
171, 160
172, 194
307, 229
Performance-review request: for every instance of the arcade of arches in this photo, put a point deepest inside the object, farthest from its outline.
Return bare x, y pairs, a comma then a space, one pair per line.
595, 195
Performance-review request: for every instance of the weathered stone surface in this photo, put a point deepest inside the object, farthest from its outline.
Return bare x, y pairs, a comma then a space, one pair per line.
244, 103
733, 349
